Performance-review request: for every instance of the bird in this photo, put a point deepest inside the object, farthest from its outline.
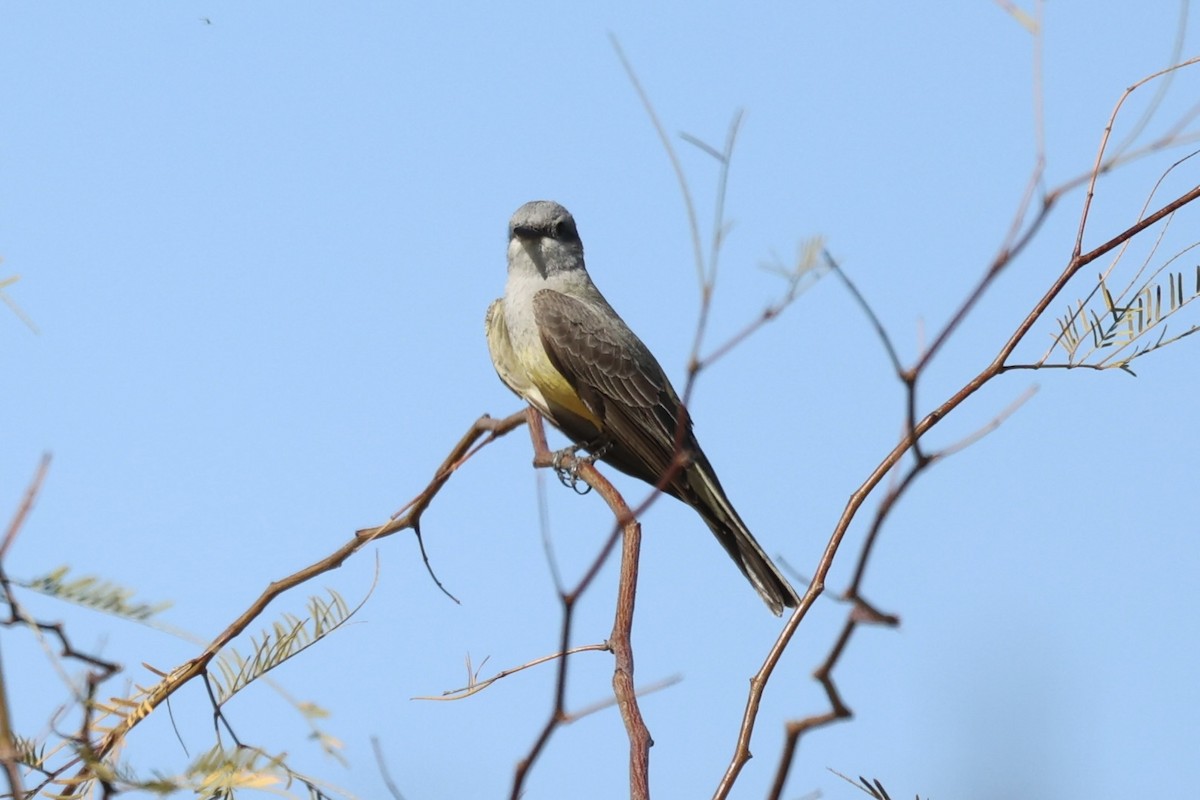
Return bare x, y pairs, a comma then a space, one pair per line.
557, 343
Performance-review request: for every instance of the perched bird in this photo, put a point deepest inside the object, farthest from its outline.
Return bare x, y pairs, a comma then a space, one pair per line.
558, 344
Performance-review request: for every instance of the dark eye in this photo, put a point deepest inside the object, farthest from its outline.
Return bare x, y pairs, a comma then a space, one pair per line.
563, 229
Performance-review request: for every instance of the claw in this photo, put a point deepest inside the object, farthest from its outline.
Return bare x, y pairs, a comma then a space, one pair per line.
569, 476
556, 458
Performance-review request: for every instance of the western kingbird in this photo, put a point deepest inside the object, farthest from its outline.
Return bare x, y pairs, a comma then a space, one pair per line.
558, 344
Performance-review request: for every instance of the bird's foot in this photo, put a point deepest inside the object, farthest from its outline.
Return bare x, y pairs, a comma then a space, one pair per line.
569, 476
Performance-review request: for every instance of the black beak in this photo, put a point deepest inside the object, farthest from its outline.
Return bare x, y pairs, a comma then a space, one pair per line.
527, 233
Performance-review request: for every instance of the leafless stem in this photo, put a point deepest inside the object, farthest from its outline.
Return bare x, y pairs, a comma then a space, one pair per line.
917, 429
31, 493
676, 166
475, 686
8, 748
486, 427
588, 710
629, 532
393, 790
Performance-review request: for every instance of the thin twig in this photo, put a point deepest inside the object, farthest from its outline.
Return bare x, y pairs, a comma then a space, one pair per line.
917, 429
31, 493
676, 166
8, 747
600, 705
383, 770
183, 674
863, 612
477, 686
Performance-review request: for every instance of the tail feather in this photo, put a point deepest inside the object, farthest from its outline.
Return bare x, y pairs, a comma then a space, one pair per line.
708, 498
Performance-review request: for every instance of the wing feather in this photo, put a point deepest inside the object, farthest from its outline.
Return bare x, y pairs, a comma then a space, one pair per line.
621, 383
618, 379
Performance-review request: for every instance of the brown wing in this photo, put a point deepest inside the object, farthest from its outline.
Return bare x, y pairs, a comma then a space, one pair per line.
617, 378
623, 385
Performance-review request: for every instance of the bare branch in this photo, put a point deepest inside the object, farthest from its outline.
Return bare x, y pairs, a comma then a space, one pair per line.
628, 531
198, 666
476, 686
916, 430
31, 493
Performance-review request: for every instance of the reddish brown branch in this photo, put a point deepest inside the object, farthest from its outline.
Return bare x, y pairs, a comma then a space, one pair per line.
31, 493
861, 611
838, 710
917, 429
8, 748
629, 532
408, 517
621, 641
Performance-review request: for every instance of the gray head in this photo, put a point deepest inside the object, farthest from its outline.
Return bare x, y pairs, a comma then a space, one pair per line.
545, 233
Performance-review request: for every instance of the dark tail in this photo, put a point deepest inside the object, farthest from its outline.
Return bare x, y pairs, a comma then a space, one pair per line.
704, 493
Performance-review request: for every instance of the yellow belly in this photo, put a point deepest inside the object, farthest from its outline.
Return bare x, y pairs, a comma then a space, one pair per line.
552, 386
528, 371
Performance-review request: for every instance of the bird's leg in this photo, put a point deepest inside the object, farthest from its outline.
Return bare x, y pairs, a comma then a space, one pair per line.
597, 449
569, 476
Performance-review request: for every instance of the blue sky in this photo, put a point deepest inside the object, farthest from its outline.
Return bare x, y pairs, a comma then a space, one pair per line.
258, 241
